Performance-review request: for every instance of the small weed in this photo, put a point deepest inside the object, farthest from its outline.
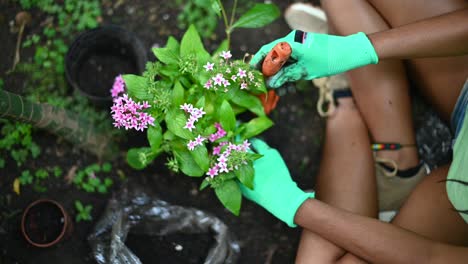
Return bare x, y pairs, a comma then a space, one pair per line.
88, 180
83, 211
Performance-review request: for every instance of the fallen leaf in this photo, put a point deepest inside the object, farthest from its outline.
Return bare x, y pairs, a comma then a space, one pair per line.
71, 174
16, 186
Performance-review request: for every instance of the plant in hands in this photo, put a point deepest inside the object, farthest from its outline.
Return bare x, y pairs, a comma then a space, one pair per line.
189, 103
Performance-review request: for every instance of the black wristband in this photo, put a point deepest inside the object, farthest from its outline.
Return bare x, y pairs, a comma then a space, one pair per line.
299, 36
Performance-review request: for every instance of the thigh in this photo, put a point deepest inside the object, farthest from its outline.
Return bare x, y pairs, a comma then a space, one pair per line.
439, 79
428, 212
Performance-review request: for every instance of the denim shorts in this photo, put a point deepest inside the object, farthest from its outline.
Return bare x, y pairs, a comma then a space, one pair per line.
457, 179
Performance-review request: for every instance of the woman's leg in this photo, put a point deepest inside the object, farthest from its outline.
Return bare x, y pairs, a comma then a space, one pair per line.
381, 91
429, 201
345, 180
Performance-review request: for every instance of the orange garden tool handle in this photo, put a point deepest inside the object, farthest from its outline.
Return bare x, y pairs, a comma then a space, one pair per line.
276, 58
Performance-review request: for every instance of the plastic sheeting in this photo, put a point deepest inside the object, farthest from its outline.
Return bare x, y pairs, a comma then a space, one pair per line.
138, 212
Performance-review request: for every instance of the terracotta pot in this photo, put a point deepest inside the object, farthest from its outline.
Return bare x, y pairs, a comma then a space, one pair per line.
45, 223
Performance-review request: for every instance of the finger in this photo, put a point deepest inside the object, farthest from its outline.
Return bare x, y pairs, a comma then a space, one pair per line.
296, 50
290, 73
259, 145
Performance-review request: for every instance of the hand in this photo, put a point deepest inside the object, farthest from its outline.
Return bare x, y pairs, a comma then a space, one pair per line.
318, 55
274, 189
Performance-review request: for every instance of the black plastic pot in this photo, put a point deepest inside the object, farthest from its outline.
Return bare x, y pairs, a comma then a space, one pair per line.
97, 56
45, 223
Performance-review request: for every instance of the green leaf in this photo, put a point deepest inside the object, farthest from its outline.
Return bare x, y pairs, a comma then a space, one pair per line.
106, 167
230, 196
108, 182
191, 44
245, 174
139, 158
256, 126
200, 155
136, 86
258, 16
227, 116
166, 55
178, 94
175, 121
205, 183
79, 206
188, 165
173, 45
102, 189
155, 137
248, 101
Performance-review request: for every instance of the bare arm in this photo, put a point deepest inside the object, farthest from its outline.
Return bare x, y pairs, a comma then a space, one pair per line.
373, 240
445, 35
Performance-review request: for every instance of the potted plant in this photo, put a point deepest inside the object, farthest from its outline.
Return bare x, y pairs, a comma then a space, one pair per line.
190, 104
45, 223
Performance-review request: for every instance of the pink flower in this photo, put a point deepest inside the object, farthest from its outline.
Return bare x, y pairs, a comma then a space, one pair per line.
199, 140
243, 86
118, 86
226, 83
222, 167
125, 113
213, 171
241, 73
191, 145
189, 125
208, 66
226, 54
187, 107
208, 84
216, 150
234, 77
218, 79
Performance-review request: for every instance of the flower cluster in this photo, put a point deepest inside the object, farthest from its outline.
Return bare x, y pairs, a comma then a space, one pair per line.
226, 73
128, 114
195, 114
218, 134
228, 160
118, 87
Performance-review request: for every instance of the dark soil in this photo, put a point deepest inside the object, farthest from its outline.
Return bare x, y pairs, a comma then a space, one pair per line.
297, 134
176, 248
104, 67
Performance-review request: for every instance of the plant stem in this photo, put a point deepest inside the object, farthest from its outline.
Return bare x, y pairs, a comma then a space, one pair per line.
61, 122
233, 13
226, 25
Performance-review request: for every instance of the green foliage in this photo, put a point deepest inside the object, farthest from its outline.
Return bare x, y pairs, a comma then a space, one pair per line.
83, 211
88, 178
38, 178
16, 140
179, 80
46, 79
204, 14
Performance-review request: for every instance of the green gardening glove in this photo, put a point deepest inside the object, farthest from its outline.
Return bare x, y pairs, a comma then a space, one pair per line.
318, 55
274, 189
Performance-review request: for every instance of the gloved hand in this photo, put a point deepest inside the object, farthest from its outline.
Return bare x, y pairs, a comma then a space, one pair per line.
274, 189
319, 55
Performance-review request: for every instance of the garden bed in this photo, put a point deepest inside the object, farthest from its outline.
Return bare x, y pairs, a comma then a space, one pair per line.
297, 134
